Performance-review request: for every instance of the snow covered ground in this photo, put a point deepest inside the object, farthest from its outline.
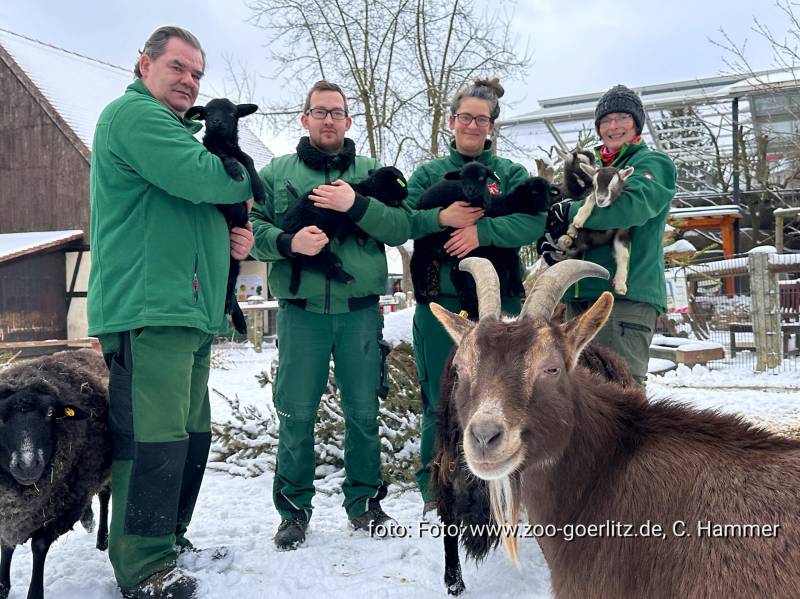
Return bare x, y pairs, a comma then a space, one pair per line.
336, 562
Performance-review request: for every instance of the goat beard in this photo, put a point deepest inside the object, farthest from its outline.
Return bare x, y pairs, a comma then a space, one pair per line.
505, 503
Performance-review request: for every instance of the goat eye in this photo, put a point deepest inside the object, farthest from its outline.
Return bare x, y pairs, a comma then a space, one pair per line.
552, 371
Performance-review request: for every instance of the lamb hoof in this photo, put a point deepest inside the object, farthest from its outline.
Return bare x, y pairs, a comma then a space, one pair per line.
565, 242
619, 288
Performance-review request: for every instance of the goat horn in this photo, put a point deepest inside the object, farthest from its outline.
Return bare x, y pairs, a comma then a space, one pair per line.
487, 284
554, 282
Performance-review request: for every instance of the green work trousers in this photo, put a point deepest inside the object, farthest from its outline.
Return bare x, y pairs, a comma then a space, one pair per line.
306, 342
160, 421
628, 331
432, 345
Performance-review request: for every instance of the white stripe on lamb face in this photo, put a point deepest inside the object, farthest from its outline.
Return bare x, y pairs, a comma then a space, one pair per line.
27, 452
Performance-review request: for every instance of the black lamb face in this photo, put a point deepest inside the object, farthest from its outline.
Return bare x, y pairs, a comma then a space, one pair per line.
221, 117
474, 178
27, 418
392, 184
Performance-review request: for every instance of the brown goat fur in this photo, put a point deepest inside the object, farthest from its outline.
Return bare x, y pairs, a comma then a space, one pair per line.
591, 452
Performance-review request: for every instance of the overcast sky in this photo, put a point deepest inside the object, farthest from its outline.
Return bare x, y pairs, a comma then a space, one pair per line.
578, 46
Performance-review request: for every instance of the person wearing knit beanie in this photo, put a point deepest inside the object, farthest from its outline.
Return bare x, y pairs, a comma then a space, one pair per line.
620, 99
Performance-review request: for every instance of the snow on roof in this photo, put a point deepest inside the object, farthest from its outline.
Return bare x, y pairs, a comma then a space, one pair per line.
79, 87
15, 245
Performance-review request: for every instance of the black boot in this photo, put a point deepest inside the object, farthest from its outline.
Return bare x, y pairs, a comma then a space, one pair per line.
291, 532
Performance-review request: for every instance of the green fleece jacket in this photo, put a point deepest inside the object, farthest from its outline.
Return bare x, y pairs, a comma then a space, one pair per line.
364, 260
510, 231
160, 249
643, 208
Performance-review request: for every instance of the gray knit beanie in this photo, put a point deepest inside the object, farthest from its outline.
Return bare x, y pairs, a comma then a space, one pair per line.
620, 99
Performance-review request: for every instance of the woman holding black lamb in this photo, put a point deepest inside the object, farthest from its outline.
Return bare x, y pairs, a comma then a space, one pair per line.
473, 112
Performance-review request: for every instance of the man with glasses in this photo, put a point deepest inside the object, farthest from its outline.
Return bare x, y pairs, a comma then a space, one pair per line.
326, 317
642, 208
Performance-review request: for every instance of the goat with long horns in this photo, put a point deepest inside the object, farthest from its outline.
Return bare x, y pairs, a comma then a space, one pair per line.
710, 499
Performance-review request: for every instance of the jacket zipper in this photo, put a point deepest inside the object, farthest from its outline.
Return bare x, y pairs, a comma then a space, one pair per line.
195, 281
327, 279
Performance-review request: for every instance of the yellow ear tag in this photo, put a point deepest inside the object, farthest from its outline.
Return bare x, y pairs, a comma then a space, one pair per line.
69, 412
400, 183
463, 314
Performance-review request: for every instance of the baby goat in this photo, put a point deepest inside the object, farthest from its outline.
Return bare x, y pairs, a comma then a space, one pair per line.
386, 184
471, 184
608, 183
222, 138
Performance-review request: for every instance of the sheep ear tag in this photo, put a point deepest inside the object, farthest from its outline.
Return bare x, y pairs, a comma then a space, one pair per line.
71, 413
401, 183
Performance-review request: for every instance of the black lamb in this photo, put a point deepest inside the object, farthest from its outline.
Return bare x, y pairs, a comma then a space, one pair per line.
222, 138
386, 184
471, 184
55, 455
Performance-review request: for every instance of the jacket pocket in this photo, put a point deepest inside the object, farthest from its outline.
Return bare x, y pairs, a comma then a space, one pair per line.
633, 326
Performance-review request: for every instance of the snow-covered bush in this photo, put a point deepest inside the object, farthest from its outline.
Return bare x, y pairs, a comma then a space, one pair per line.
247, 443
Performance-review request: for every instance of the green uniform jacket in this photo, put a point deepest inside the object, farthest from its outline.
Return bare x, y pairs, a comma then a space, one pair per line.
160, 249
510, 231
643, 208
366, 262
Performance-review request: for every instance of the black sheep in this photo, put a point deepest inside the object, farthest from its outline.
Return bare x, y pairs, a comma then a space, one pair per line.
55, 455
386, 184
222, 138
470, 184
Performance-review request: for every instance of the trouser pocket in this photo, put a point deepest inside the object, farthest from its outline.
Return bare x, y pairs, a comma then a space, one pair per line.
120, 404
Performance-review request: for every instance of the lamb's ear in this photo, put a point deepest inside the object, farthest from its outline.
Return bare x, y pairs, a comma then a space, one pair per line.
561, 154
245, 109
589, 169
580, 331
625, 173
453, 176
197, 113
456, 326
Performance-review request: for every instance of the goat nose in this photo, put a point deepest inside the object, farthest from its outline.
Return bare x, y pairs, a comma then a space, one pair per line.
27, 474
487, 434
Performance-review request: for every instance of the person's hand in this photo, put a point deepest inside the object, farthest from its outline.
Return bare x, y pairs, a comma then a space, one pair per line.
309, 241
459, 215
462, 241
249, 205
242, 241
337, 196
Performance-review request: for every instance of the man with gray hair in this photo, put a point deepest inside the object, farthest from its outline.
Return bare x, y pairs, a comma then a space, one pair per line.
160, 254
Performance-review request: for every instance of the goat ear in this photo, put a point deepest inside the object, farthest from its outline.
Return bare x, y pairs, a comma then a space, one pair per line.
582, 330
589, 169
197, 113
453, 176
245, 109
561, 154
625, 173
456, 326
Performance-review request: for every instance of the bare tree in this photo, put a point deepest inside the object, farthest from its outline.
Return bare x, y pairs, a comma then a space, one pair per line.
399, 62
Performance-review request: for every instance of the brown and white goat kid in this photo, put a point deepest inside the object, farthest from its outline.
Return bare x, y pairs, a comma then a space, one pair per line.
712, 501
608, 183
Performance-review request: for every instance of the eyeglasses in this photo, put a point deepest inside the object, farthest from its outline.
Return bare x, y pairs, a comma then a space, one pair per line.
466, 119
337, 114
620, 119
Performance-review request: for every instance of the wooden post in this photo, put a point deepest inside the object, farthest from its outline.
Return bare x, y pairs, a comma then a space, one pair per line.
764, 312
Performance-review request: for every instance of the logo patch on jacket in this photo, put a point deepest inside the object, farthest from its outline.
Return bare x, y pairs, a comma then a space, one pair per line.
493, 189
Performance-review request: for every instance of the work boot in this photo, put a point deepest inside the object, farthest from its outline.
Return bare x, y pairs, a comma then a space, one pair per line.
376, 522
167, 584
291, 532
